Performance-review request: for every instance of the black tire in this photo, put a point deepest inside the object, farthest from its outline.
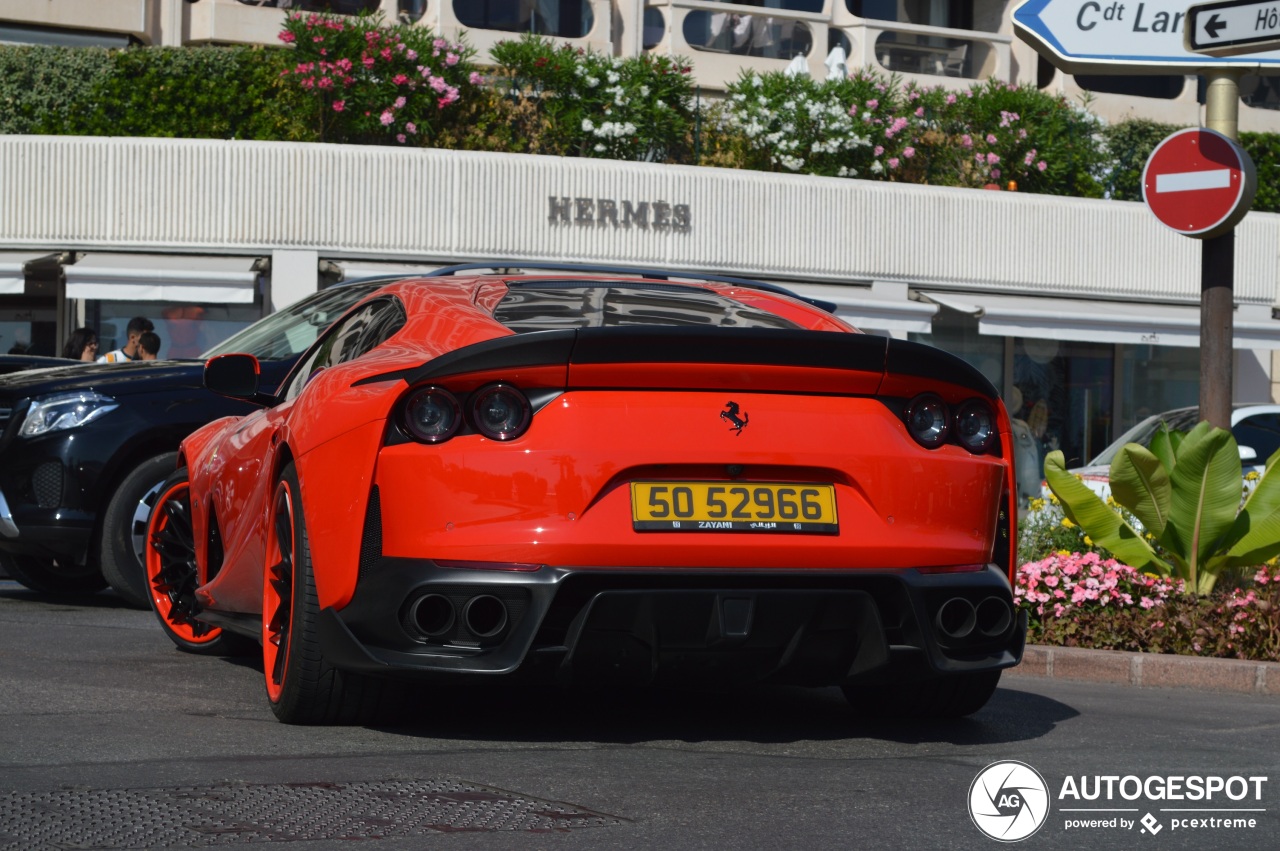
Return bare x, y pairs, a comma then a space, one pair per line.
172, 575
51, 577
302, 686
951, 696
124, 528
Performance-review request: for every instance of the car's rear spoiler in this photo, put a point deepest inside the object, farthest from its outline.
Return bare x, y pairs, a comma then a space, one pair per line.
827, 350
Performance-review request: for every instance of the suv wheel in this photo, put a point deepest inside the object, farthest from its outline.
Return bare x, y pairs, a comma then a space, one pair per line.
124, 528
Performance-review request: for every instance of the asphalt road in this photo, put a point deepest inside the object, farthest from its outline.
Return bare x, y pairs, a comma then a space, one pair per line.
111, 738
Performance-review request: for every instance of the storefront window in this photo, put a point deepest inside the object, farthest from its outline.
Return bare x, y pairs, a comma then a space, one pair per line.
1155, 379
28, 331
561, 18
1062, 395
186, 330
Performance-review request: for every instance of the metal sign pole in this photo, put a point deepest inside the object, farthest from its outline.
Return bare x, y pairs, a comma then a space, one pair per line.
1217, 270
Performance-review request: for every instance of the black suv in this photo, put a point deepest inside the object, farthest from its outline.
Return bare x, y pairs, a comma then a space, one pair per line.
85, 448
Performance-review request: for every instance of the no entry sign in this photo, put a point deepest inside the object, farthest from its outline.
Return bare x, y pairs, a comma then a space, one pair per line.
1199, 182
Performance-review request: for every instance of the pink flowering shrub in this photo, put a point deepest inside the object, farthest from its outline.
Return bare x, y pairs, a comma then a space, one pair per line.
376, 84
1075, 600
1066, 582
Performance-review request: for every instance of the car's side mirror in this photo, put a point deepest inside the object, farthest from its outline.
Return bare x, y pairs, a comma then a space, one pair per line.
233, 375
1248, 453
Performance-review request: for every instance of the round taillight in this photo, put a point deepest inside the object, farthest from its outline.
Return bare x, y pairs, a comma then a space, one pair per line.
432, 415
500, 412
928, 420
975, 426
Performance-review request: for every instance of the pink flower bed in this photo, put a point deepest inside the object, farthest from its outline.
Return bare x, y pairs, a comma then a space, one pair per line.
1064, 581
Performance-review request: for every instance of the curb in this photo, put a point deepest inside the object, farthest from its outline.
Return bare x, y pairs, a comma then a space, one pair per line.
1148, 670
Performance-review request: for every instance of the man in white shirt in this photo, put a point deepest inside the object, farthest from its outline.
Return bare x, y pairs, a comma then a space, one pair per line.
138, 326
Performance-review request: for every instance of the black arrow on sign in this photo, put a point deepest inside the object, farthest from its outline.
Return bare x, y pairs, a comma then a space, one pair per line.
1214, 25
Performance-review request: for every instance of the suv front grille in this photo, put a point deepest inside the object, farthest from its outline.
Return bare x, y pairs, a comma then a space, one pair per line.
6, 414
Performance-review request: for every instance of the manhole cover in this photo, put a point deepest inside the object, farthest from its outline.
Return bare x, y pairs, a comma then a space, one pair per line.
201, 816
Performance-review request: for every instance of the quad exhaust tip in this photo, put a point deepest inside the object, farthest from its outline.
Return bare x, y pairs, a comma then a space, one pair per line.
435, 616
994, 617
958, 618
485, 616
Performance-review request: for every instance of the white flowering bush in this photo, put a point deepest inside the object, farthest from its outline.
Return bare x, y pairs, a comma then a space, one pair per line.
875, 127
582, 103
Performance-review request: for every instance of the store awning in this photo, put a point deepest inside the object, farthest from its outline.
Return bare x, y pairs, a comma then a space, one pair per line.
873, 308
162, 277
12, 279
355, 269
1099, 321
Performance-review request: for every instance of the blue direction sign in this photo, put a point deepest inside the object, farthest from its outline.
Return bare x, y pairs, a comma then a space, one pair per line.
1121, 37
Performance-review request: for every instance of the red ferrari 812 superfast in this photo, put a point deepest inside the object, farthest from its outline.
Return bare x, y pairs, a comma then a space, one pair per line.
590, 476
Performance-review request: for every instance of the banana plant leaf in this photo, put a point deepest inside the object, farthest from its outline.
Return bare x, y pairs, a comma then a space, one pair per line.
1255, 537
1140, 482
1164, 445
1206, 496
1107, 528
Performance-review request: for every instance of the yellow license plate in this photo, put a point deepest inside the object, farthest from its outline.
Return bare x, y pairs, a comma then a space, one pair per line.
733, 507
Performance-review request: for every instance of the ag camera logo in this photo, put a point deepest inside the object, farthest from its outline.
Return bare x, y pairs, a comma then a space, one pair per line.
1008, 801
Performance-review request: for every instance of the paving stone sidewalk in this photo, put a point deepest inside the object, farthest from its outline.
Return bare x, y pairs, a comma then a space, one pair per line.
1149, 670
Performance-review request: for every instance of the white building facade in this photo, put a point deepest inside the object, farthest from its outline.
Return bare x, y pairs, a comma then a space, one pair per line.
1084, 312
937, 42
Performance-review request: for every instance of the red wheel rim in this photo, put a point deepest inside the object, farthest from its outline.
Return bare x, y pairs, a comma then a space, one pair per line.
172, 572
277, 594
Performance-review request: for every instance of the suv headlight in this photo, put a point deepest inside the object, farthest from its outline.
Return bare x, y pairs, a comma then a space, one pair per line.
64, 411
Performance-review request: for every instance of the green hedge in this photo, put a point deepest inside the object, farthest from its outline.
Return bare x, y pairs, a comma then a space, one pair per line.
195, 92
546, 99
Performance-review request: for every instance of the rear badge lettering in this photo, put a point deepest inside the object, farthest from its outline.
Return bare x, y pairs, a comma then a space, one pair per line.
736, 423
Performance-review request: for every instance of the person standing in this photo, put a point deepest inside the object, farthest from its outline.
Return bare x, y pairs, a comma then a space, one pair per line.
148, 345
82, 345
138, 326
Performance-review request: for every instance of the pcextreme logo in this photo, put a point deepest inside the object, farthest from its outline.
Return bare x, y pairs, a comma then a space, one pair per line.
1008, 800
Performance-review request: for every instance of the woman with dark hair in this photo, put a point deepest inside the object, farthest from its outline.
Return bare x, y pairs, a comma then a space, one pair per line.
83, 345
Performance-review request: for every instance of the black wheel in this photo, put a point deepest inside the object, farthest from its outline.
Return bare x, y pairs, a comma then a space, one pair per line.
52, 577
952, 696
172, 575
302, 686
124, 528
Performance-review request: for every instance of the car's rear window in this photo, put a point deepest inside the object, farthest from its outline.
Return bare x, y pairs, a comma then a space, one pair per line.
548, 305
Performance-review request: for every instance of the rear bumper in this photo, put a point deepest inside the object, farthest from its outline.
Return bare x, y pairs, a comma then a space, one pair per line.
806, 627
